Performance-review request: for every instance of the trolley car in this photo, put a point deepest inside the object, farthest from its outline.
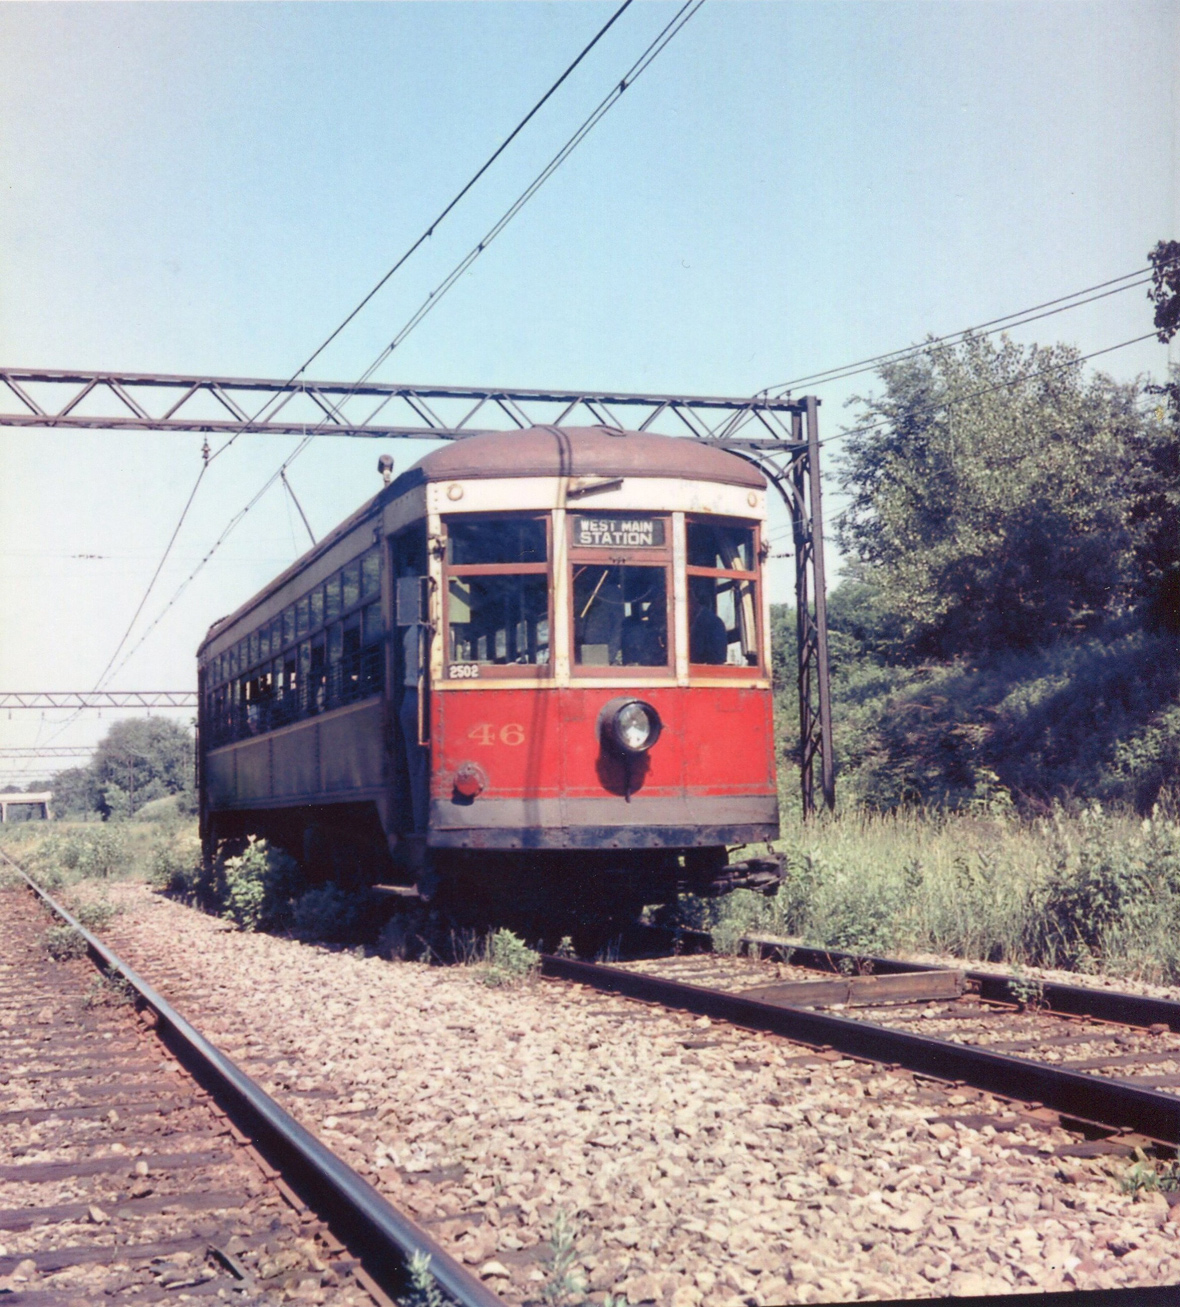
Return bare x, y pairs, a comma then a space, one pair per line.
543, 649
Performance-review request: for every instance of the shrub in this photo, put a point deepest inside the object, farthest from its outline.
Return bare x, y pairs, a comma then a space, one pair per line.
95, 913
508, 960
173, 869
102, 853
1113, 900
64, 942
563, 1284
109, 989
328, 912
258, 885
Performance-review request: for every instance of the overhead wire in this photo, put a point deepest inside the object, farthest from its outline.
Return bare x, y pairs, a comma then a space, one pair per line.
434, 298
780, 533
999, 385
445, 212
399, 263
650, 53
990, 327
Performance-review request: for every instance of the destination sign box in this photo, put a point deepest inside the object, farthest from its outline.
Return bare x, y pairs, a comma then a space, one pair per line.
618, 532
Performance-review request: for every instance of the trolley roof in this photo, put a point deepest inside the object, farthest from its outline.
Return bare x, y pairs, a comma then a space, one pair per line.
535, 452
583, 451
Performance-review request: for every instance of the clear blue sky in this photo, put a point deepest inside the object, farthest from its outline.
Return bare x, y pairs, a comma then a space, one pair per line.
209, 188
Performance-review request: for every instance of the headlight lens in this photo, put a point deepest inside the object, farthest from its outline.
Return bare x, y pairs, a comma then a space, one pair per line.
634, 727
629, 726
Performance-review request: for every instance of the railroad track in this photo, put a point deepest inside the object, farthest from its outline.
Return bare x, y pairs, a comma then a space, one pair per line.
139, 1163
1103, 1065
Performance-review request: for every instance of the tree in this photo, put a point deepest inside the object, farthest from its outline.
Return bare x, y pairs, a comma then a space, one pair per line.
139, 760
1165, 288
1155, 508
1153, 512
75, 792
988, 497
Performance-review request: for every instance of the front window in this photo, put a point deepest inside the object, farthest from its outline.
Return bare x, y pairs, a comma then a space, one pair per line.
722, 595
620, 616
620, 590
497, 593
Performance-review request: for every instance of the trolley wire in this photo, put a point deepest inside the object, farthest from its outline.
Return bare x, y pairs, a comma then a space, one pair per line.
432, 300
780, 533
989, 328
430, 230
399, 263
682, 16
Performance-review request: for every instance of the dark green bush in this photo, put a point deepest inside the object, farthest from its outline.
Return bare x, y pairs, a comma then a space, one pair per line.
328, 912
257, 886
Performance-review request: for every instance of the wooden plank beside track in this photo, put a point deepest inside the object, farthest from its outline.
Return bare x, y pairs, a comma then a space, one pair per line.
862, 991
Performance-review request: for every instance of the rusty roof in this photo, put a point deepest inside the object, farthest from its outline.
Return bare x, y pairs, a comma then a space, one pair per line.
584, 451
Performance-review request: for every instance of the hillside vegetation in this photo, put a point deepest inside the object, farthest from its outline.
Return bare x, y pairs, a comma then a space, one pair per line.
1007, 629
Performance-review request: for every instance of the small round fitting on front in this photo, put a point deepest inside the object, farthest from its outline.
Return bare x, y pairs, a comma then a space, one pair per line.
470, 780
629, 726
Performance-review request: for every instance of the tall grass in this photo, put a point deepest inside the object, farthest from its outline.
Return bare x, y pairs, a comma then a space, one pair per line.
60, 853
1096, 891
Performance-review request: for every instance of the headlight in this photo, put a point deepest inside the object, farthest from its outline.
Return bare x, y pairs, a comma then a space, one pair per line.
629, 725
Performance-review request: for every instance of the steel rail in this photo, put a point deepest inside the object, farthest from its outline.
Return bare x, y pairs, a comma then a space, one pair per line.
1070, 1000
1114, 1005
1111, 1102
385, 1238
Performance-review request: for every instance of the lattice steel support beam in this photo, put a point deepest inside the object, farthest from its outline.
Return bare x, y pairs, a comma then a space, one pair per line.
78, 699
227, 406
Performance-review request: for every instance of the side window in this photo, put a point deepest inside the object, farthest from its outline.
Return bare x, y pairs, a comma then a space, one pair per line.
302, 617
318, 673
317, 607
371, 573
723, 612
497, 591
332, 598
352, 635
351, 581
373, 627
289, 626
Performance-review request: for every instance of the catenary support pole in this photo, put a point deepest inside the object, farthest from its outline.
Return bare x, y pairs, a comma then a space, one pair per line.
823, 681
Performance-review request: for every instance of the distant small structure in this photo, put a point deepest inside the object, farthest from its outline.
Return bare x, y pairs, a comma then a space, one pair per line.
41, 800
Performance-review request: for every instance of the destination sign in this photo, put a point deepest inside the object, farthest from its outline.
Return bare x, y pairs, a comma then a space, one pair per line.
618, 532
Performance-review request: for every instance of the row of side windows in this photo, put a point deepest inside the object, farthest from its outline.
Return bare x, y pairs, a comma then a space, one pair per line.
323, 651
354, 584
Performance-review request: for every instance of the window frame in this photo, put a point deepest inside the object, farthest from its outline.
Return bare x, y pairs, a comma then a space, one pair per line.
698, 671
496, 671
631, 556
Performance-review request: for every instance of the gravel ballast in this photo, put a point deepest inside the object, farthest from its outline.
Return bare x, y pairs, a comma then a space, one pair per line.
698, 1163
